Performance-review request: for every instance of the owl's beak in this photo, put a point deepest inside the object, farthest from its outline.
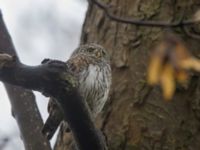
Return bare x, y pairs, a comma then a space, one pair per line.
98, 54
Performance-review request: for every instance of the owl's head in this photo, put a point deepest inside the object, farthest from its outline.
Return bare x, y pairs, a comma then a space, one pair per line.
94, 51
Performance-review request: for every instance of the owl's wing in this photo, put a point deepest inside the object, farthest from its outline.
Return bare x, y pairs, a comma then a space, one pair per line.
54, 119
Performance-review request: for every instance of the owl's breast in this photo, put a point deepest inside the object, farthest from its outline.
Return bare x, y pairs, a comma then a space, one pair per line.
94, 87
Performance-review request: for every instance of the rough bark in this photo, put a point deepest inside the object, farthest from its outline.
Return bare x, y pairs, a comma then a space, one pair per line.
136, 116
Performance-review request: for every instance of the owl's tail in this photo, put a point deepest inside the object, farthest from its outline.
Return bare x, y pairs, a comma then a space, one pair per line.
54, 120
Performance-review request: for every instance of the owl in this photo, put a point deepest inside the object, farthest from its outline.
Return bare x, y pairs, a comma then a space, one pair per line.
90, 64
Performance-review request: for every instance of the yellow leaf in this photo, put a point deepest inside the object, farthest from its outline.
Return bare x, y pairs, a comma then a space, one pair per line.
191, 63
181, 52
154, 70
168, 81
181, 76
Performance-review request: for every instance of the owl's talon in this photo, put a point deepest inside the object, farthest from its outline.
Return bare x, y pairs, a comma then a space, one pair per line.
55, 65
45, 61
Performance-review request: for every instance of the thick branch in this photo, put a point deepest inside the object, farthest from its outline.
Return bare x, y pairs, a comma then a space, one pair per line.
23, 103
53, 79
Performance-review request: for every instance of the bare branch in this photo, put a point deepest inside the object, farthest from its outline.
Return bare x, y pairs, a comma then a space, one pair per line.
23, 103
162, 24
53, 79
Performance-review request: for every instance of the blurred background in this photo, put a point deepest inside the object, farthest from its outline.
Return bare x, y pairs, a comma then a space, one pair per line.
39, 29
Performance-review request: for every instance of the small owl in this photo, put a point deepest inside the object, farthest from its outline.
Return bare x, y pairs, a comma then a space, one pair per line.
90, 64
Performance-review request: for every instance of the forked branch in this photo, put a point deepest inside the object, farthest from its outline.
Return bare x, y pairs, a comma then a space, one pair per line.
52, 79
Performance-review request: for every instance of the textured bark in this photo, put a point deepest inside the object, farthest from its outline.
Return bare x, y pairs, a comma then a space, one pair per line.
136, 116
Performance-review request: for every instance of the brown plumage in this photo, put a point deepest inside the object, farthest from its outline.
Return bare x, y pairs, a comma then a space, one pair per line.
91, 65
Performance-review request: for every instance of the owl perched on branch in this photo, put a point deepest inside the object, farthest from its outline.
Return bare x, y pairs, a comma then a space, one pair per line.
90, 63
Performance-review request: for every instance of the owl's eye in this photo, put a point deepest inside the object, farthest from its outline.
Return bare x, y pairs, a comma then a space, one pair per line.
90, 50
104, 53
98, 54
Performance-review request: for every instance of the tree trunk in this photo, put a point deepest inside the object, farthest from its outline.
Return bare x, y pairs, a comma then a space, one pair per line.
136, 117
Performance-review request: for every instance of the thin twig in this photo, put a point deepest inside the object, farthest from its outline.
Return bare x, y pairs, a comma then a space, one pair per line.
190, 34
162, 24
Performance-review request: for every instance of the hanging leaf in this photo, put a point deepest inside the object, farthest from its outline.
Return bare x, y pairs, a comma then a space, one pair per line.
167, 81
169, 64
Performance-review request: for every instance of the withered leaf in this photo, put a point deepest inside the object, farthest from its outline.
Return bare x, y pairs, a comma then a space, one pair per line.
167, 81
170, 63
